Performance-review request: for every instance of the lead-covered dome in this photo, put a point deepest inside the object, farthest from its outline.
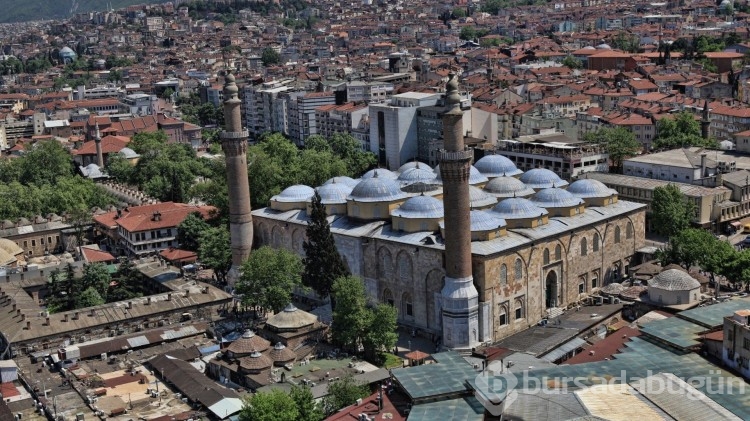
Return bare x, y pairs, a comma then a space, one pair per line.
478, 199
674, 280
420, 207
381, 173
295, 193
542, 178
475, 177
376, 189
334, 193
518, 208
412, 164
507, 187
555, 198
128, 153
417, 174
342, 180
587, 188
497, 166
485, 221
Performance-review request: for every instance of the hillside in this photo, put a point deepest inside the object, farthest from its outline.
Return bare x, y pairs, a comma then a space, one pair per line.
26, 10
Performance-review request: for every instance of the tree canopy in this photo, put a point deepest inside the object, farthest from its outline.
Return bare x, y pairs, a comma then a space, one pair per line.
343, 393
190, 230
670, 210
619, 143
269, 277
322, 261
215, 251
274, 405
681, 131
269, 56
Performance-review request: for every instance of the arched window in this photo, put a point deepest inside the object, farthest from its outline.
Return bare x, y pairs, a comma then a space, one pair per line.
388, 296
584, 247
558, 252
386, 265
404, 267
596, 242
617, 235
502, 314
519, 309
629, 231
518, 269
406, 305
546, 256
503, 275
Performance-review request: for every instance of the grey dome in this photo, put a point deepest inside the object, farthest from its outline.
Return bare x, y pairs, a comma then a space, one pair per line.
342, 180
381, 172
295, 193
479, 199
420, 207
587, 188
334, 193
612, 289
485, 221
418, 174
412, 164
541, 178
475, 177
518, 208
376, 189
507, 187
674, 280
555, 198
603, 46
92, 171
128, 153
497, 166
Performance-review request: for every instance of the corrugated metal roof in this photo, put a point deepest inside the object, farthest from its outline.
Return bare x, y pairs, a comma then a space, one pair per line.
563, 349
137, 341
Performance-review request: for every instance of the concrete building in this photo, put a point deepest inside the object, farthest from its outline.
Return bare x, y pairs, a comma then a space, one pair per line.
393, 127
369, 92
302, 119
234, 144
344, 118
261, 108
683, 165
736, 345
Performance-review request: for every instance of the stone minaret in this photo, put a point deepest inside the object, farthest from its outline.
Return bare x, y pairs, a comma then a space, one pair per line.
234, 145
99, 154
460, 297
705, 121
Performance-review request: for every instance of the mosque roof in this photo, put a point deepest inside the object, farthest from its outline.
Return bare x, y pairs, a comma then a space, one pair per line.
342, 180
674, 280
588, 188
507, 187
418, 174
381, 172
497, 166
128, 153
295, 193
420, 207
334, 193
555, 198
377, 189
412, 164
479, 199
518, 208
540, 178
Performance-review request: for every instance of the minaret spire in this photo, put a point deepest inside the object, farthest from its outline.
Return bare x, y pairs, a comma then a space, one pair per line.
460, 314
98, 142
705, 121
234, 145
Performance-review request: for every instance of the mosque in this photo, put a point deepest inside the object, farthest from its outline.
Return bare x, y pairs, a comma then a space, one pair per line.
537, 245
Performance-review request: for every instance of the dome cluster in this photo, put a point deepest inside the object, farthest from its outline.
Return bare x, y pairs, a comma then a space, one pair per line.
500, 196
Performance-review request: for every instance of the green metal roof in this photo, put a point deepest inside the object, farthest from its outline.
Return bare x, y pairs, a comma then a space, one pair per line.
713, 315
465, 409
446, 377
680, 333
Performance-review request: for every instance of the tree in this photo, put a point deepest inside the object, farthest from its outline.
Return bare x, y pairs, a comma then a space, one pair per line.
679, 132
190, 231
459, 12
88, 298
381, 334
269, 56
128, 282
307, 409
215, 251
323, 263
468, 33
343, 393
45, 162
572, 62
96, 276
350, 317
269, 406
670, 210
269, 277
167, 94
493, 7
619, 143
688, 247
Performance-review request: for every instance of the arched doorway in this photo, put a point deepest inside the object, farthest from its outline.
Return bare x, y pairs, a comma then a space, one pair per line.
550, 295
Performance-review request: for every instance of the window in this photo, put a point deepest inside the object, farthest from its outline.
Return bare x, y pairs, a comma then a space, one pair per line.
519, 309
502, 318
387, 297
558, 252
581, 288
596, 242
33, 243
546, 256
518, 270
629, 231
594, 282
404, 267
503, 275
617, 235
584, 247
746, 343
406, 302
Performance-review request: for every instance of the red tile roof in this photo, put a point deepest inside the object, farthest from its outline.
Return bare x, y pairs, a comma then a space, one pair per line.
141, 218
110, 144
178, 255
95, 256
605, 348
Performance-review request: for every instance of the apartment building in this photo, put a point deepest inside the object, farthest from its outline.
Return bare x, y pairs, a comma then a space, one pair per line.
302, 120
261, 109
736, 343
344, 118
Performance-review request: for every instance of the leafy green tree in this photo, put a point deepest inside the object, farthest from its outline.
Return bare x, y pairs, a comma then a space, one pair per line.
572, 62
619, 143
671, 212
128, 282
343, 393
350, 316
119, 168
96, 276
738, 268
269, 406
45, 162
323, 263
493, 7
88, 298
269, 277
213, 190
459, 12
681, 131
307, 409
468, 33
190, 231
167, 94
215, 251
381, 333
269, 56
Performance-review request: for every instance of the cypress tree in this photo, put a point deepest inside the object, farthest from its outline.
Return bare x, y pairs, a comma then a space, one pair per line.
323, 264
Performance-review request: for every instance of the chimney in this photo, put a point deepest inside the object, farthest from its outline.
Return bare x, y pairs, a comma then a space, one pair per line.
149, 301
65, 319
75, 316
23, 316
169, 296
187, 293
703, 165
18, 311
14, 306
46, 320
130, 305
28, 325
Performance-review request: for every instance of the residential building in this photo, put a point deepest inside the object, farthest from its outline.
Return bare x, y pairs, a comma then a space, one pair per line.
262, 111
358, 91
302, 120
344, 118
684, 165
736, 344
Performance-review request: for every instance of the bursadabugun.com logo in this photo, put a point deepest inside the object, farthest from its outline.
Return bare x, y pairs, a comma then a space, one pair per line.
497, 387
